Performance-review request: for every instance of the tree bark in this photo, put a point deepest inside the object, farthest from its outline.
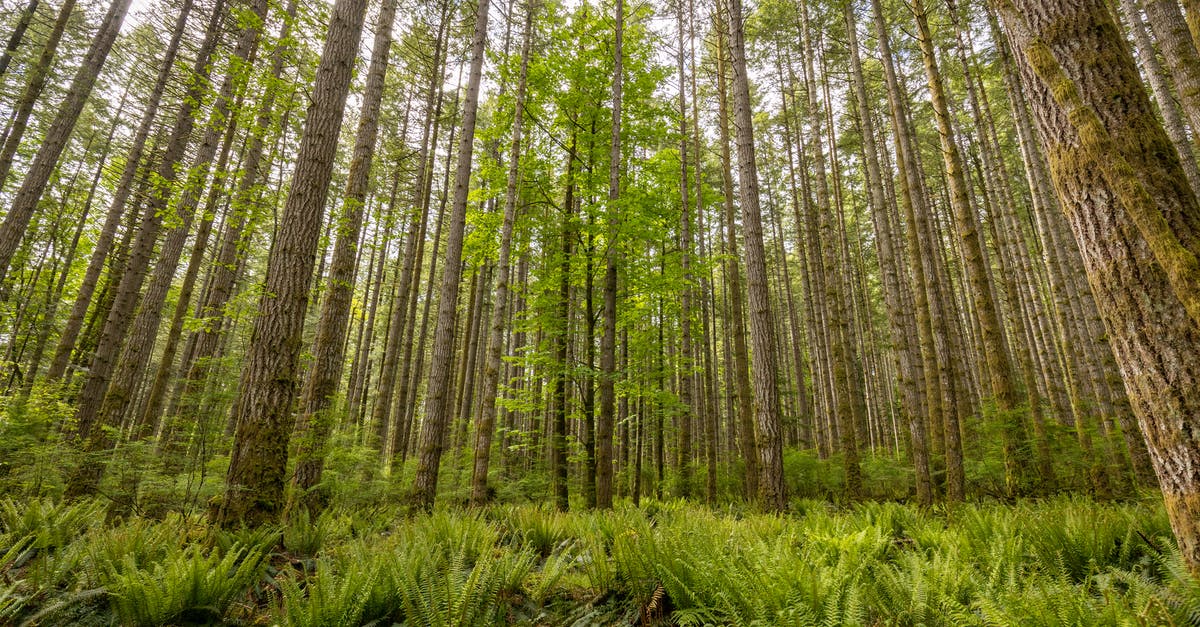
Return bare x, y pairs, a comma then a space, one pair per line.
254, 482
612, 259
762, 327
742, 392
1123, 193
439, 394
890, 264
314, 422
12, 230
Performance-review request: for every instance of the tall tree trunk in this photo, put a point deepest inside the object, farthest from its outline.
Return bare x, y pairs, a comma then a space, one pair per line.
983, 297
558, 446
743, 395
118, 318
608, 342
846, 393
18, 35
1154, 72
135, 357
38, 74
50, 318
403, 306
314, 422
116, 209
254, 482
1135, 220
246, 210
931, 328
485, 424
891, 263
687, 388
1179, 52
762, 327
439, 394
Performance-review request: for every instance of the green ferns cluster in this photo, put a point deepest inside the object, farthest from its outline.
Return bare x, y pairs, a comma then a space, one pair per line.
1065, 561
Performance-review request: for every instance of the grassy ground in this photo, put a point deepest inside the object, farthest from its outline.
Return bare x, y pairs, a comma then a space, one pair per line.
1065, 561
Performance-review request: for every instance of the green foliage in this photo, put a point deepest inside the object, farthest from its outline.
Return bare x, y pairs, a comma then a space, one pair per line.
349, 591
1065, 560
448, 586
51, 524
27, 436
190, 585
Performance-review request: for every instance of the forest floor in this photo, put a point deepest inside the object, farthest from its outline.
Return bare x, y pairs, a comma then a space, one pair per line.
1059, 561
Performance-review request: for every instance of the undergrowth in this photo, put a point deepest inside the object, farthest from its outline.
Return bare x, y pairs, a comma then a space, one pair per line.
1061, 561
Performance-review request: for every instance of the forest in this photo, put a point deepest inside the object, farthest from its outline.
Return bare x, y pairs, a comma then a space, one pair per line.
575, 312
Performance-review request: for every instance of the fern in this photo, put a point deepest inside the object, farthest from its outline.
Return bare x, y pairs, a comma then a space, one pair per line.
187, 585
329, 599
52, 525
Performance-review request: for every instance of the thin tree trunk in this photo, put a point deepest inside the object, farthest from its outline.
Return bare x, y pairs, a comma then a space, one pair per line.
612, 259
118, 318
485, 424
741, 392
1154, 72
439, 394
401, 318
891, 263
18, 35
687, 388
1179, 52
55, 141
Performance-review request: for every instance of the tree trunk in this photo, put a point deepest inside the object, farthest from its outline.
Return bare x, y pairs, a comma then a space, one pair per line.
245, 211
254, 482
1179, 51
1154, 72
846, 394
687, 388
38, 74
762, 327
608, 342
26, 199
116, 209
1128, 202
439, 394
983, 298
18, 35
485, 425
891, 263
742, 393
314, 422
118, 318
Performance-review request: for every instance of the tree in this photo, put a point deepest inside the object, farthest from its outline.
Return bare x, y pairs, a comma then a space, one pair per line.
439, 396
608, 342
116, 208
254, 482
1135, 219
12, 230
762, 326
485, 425
18, 35
314, 423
